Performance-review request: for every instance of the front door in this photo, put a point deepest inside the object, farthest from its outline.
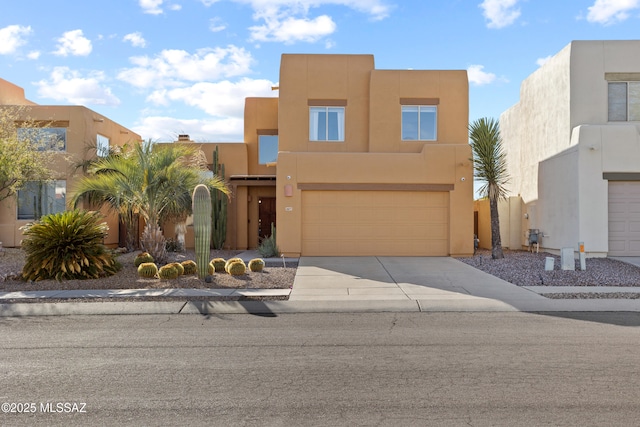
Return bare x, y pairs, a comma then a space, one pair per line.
266, 215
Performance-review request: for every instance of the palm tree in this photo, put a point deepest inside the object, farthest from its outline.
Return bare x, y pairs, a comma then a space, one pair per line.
490, 167
153, 183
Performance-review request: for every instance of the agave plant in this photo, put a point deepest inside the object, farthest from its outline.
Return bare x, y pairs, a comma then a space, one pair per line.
67, 245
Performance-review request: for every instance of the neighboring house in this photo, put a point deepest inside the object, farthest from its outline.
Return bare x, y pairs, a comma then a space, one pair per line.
350, 160
74, 129
573, 146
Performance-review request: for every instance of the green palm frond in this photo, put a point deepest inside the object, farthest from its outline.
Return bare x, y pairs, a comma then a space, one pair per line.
489, 158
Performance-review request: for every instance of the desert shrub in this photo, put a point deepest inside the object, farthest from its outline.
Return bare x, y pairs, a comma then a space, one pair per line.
256, 264
237, 268
218, 264
147, 270
142, 257
168, 272
178, 267
190, 267
173, 245
67, 245
268, 247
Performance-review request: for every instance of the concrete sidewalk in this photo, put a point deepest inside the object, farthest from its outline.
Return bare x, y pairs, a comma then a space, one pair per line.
345, 284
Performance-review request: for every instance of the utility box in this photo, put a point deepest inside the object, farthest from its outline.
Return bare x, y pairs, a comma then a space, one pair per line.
549, 263
567, 259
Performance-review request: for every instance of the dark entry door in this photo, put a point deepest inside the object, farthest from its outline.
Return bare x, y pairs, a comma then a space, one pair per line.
266, 215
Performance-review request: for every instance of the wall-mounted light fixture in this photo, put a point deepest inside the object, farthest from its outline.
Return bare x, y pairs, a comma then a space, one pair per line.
98, 120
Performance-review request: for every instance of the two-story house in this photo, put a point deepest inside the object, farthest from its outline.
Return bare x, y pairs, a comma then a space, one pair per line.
573, 150
350, 160
79, 134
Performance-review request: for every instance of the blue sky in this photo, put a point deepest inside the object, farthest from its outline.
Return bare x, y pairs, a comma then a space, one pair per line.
165, 67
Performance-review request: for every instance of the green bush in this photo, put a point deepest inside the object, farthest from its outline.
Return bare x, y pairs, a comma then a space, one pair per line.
173, 245
143, 257
168, 272
256, 265
190, 267
218, 264
147, 270
67, 245
237, 268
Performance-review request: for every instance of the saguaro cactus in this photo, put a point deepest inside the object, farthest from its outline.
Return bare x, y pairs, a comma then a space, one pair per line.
202, 227
219, 208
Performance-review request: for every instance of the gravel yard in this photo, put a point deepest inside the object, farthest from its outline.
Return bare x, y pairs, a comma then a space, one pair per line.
273, 276
524, 268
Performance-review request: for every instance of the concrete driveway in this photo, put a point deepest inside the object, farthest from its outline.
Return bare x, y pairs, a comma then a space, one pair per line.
435, 282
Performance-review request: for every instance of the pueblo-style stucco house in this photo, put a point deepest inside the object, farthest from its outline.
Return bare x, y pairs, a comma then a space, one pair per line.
351, 160
74, 129
573, 146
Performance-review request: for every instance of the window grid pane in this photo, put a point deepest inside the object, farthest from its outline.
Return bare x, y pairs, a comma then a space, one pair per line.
618, 102
326, 124
634, 101
427, 123
267, 149
45, 139
410, 120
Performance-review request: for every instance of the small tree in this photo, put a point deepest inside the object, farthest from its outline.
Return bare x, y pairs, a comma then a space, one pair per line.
490, 168
20, 159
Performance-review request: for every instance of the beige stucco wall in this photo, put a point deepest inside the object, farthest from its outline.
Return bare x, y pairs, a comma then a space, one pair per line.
450, 87
372, 152
83, 126
559, 143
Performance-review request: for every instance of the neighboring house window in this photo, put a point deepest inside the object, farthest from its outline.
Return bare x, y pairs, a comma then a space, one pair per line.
102, 146
39, 198
419, 122
45, 139
326, 123
624, 101
267, 149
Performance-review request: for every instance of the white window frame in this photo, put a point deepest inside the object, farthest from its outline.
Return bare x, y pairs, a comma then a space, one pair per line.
314, 124
419, 108
102, 145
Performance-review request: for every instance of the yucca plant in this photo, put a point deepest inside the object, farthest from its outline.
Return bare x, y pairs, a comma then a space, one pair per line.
67, 245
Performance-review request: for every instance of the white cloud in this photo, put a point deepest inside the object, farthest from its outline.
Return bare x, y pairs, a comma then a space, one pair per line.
290, 30
70, 86
500, 13
223, 99
151, 7
216, 25
610, 11
73, 43
542, 61
173, 67
34, 54
163, 128
208, 2
12, 37
288, 21
135, 39
479, 77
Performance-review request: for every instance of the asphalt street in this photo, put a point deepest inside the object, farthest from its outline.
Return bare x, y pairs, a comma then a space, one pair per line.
398, 369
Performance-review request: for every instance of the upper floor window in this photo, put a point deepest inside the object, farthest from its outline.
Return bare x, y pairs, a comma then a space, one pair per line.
38, 198
267, 149
624, 101
326, 123
46, 138
102, 145
419, 122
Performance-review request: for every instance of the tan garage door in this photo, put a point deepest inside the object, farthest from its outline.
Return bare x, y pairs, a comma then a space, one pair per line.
383, 223
624, 218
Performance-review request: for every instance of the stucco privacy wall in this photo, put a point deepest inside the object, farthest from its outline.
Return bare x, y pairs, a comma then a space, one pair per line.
559, 143
366, 161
